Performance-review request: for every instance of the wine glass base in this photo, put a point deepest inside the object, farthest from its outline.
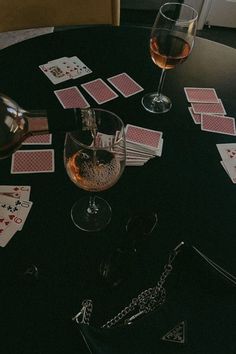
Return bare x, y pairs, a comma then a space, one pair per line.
155, 103
90, 219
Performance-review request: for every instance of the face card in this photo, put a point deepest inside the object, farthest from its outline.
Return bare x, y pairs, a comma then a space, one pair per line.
218, 124
71, 97
45, 139
146, 137
203, 95
209, 108
196, 117
32, 161
55, 73
99, 91
18, 192
227, 151
230, 167
125, 84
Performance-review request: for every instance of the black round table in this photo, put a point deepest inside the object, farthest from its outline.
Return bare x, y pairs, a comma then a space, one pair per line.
194, 198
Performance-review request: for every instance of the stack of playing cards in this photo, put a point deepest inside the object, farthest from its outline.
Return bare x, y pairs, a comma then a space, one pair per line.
142, 144
63, 69
228, 155
208, 110
14, 209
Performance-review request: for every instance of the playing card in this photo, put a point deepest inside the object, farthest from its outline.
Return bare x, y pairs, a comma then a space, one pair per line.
218, 124
7, 233
198, 94
230, 168
56, 71
209, 108
71, 97
99, 91
18, 192
32, 161
125, 84
196, 117
227, 151
45, 139
146, 138
81, 68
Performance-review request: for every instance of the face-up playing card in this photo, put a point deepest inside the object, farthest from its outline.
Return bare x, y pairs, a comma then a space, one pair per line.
71, 97
209, 108
99, 91
45, 139
125, 84
204, 95
145, 137
218, 124
196, 117
230, 168
56, 71
81, 68
15, 210
33, 161
18, 192
227, 151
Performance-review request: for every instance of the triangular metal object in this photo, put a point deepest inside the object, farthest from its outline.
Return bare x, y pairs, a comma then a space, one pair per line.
176, 334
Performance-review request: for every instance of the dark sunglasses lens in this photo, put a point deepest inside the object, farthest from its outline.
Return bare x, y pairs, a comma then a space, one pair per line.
142, 224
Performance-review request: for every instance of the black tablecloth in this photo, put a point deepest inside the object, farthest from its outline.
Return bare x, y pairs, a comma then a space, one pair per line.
193, 196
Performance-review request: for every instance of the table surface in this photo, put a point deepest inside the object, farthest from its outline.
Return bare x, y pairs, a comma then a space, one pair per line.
187, 187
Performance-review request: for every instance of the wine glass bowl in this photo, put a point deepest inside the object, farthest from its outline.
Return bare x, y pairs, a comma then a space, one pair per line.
94, 158
171, 42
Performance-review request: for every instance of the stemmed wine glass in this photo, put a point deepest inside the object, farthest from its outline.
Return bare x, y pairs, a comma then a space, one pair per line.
94, 158
171, 42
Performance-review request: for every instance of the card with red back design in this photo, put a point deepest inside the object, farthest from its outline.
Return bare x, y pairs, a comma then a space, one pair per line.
33, 161
71, 97
125, 84
143, 139
203, 95
45, 139
208, 108
196, 117
99, 91
218, 124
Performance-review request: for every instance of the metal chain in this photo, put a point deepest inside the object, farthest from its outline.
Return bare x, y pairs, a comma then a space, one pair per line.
147, 301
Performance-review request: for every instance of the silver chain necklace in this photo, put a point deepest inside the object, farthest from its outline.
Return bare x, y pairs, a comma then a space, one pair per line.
147, 301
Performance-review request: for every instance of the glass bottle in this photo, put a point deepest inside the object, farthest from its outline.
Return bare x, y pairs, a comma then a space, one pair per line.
17, 124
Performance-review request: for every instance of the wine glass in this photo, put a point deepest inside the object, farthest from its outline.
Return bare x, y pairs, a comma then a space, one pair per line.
94, 158
171, 42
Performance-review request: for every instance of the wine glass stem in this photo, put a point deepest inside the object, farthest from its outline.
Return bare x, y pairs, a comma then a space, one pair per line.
92, 207
161, 82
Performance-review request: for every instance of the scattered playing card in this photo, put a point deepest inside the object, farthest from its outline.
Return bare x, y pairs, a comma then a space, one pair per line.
45, 139
63, 69
99, 91
227, 151
196, 117
218, 124
14, 209
125, 84
19, 192
33, 161
209, 108
71, 97
198, 94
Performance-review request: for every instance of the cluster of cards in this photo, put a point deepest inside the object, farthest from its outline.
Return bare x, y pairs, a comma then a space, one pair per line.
14, 209
142, 144
63, 69
228, 155
34, 161
208, 111
99, 90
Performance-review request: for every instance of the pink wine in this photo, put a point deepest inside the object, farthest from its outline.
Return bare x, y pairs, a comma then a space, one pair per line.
94, 172
168, 50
